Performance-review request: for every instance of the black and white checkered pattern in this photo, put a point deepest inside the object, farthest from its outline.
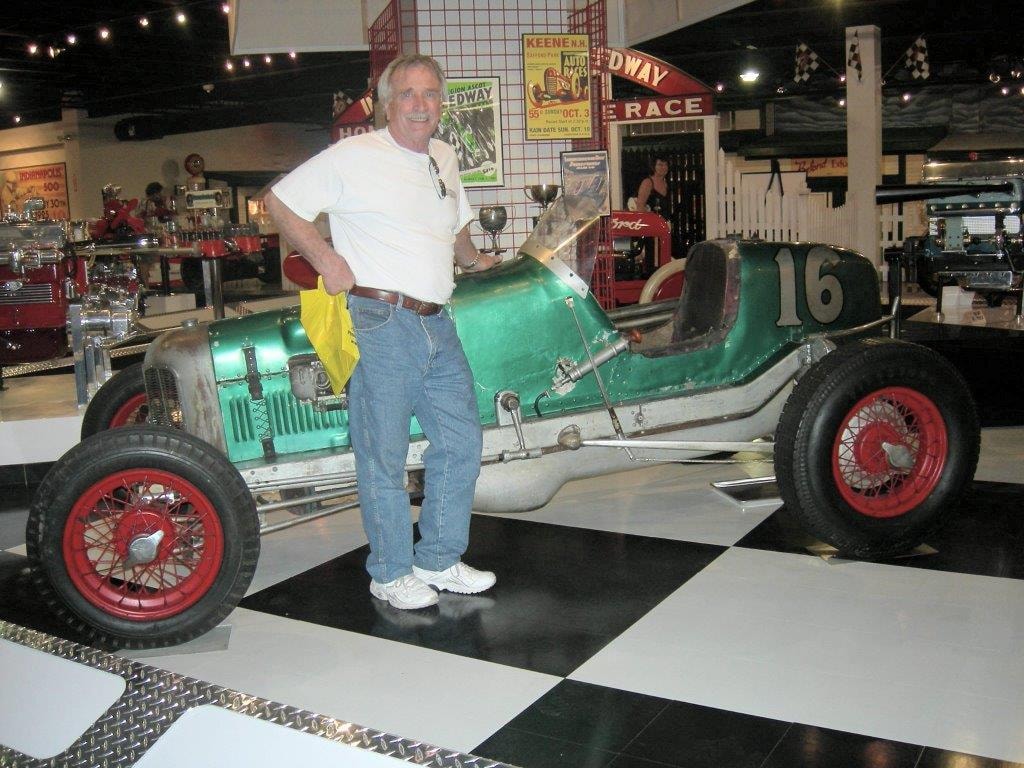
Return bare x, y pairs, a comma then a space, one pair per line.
853, 59
806, 63
917, 59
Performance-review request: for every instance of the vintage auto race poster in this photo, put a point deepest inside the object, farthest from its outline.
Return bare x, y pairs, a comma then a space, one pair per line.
471, 123
46, 181
585, 174
556, 71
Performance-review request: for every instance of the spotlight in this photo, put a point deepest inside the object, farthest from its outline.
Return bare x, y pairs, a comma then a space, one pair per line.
1005, 91
719, 87
17, 118
229, 66
292, 55
842, 102
749, 75
842, 78
143, 21
905, 97
181, 18
225, 7
780, 90
246, 63
72, 38
33, 49
104, 33
993, 77
267, 59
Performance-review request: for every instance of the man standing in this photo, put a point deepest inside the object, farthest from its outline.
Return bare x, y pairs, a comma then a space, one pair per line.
398, 217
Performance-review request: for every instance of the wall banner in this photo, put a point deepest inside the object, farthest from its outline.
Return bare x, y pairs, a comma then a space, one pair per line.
46, 181
471, 123
556, 70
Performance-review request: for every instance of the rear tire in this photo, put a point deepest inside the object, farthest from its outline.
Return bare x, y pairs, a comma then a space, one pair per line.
142, 537
120, 402
875, 445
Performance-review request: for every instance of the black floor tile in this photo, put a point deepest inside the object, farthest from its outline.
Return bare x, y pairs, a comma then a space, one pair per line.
696, 736
984, 536
590, 715
940, 758
20, 603
532, 751
562, 594
805, 746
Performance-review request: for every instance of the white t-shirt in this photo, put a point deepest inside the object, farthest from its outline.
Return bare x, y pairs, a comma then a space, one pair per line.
386, 214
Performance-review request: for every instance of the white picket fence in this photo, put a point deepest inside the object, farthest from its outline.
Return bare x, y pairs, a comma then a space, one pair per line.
746, 207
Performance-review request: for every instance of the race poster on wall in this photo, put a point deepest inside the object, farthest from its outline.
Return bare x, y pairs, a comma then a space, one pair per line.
46, 181
471, 123
585, 174
556, 70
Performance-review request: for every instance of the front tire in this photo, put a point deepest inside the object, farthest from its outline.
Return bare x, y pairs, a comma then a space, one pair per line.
875, 445
142, 537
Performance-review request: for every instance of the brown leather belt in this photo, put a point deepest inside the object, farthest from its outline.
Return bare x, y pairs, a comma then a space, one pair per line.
398, 299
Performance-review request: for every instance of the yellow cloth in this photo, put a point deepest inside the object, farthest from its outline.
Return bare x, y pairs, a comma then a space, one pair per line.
328, 325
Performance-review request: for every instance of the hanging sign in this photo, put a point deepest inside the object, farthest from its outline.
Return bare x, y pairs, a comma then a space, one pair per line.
660, 76
556, 70
653, 109
46, 181
356, 118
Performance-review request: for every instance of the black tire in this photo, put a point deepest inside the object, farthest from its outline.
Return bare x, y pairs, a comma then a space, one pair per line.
833, 474
119, 394
109, 491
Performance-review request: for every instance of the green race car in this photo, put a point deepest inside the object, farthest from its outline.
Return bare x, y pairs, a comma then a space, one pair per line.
149, 535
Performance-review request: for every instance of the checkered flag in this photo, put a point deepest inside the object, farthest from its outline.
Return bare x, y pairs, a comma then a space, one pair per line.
853, 60
806, 63
917, 59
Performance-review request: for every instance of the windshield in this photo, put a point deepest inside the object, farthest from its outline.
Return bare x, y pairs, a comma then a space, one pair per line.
555, 242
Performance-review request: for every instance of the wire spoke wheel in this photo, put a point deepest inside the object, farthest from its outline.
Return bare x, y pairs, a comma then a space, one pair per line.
890, 452
875, 446
143, 544
142, 537
134, 411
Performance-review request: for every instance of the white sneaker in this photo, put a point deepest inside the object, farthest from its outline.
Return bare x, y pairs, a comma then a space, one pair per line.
460, 578
406, 592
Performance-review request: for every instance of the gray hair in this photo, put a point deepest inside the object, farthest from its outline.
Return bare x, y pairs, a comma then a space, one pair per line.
403, 63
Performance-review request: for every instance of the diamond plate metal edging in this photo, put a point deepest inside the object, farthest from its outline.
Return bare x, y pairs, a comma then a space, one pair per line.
154, 699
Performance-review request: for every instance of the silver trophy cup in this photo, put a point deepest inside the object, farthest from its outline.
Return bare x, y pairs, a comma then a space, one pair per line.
543, 194
493, 219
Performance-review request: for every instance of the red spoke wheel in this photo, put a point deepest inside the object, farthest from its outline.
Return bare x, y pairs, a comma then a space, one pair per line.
142, 537
135, 410
143, 544
889, 454
120, 402
875, 445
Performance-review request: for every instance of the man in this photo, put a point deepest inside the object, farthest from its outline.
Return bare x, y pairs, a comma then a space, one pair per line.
398, 216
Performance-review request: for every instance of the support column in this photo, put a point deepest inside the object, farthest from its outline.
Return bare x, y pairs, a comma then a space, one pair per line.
711, 190
864, 138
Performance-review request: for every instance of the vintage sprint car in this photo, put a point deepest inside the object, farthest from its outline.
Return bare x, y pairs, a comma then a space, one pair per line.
149, 535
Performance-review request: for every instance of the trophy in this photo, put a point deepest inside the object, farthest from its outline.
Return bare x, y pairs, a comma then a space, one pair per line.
492, 220
543, 194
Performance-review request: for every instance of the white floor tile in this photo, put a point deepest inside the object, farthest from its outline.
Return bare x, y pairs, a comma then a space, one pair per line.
670, 501
1002, 455
919, 656
450, 701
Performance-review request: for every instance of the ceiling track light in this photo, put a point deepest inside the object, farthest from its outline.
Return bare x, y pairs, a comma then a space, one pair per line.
143, 21
104, 33
181, 18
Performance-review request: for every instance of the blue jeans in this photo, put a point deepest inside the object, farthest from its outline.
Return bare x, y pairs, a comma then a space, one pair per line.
412, 365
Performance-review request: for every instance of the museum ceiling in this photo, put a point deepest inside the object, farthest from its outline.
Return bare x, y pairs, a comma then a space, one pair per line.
175, 73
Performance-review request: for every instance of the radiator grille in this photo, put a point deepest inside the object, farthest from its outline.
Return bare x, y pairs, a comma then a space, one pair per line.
162, 393
39, 293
